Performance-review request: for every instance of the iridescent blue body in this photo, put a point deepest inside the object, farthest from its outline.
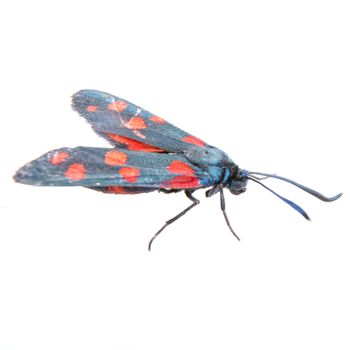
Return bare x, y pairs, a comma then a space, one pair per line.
148, 154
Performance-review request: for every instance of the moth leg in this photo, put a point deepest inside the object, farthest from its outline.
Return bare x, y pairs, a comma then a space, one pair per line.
195, 202
213, 190
223, 207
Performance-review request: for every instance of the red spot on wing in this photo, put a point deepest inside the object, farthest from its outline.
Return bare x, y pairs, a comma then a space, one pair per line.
129, 174
117, 106
136, 123
183, 181
114, 158
133, 145
116, 189
75, 171
157, 119
194, 140
59, 157
126, 190
179, 167
91, 108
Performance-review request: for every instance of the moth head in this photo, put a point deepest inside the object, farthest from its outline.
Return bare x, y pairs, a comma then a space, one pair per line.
238, 182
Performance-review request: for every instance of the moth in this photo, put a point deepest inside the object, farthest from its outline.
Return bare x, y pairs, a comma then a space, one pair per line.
147, 154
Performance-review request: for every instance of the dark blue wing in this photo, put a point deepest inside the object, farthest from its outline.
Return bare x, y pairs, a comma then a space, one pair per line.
102, 168
128, 126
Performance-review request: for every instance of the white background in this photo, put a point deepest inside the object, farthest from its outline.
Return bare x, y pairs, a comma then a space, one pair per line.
266, 81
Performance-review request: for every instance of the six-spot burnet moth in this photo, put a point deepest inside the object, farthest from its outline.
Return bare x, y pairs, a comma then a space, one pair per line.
148, 154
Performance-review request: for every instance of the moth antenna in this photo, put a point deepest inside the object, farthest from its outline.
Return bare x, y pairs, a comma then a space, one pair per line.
260, 178
289, 202
302, 187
